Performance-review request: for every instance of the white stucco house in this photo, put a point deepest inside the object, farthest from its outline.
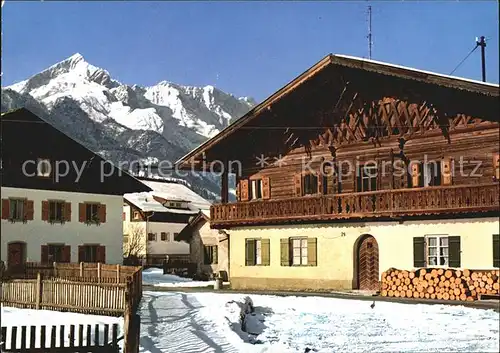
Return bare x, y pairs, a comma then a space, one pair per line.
152, 220
60, 201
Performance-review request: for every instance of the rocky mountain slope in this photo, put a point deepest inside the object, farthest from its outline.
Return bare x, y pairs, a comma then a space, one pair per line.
126, 123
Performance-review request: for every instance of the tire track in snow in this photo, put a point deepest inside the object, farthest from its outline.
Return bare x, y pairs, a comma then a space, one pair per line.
169, 323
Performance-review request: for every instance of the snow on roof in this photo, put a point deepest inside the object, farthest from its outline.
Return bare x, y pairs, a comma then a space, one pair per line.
176, 191
206, 213
416, 70
146, 202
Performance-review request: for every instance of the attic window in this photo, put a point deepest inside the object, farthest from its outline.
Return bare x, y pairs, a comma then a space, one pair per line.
137, 215
43, 168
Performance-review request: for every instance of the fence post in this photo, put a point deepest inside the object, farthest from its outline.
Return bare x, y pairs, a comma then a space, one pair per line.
98, 272
81, 269
55, 269
117, 273
126, 325
39, 290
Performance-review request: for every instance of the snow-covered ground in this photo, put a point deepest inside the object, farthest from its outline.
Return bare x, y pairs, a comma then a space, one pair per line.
155, 277
30, 317
210, 322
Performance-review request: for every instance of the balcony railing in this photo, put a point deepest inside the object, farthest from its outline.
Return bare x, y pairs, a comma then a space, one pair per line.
384, 203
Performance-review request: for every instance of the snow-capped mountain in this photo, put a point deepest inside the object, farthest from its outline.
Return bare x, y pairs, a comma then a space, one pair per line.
125, 123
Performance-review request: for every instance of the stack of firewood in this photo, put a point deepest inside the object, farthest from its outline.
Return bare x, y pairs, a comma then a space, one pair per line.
443, 284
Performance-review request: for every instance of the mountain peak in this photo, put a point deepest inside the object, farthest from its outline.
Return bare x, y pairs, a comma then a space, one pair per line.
75, 58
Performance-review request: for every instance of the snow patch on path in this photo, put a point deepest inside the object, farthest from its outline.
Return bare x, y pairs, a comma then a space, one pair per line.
155, 277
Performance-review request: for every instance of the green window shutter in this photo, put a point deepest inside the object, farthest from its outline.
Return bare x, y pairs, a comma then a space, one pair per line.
454, 251
285, 252
312, 252
206, 255
419, 252
215, 260
496, 250
250, 252
265, 252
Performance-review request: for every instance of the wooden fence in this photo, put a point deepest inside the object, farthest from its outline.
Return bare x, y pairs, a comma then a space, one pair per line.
38, 339
100, 289
91, 288
63, 294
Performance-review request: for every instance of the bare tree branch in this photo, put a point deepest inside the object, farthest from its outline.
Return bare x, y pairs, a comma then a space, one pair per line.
136, 242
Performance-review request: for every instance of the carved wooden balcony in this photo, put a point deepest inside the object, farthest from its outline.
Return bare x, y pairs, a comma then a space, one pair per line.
363, 205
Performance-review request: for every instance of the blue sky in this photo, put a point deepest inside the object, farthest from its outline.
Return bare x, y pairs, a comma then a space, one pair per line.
244, 48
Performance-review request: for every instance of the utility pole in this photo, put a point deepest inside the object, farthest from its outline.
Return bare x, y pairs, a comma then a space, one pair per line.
482, 43
369, 32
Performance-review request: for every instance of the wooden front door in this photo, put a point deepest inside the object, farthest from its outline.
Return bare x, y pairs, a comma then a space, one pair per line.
16, 254
368, 264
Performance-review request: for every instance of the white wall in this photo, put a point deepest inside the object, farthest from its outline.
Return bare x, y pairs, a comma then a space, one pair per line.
37, 232
157, 247
166, 247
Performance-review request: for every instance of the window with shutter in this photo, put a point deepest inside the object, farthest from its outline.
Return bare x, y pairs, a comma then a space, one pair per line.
67, 212
30, 210
310, 184
81, 253
101, 254
299, 250
367, 178
58, 253
210, 254
5, 208
244, 190
437, 250
91, 213
45, 210
447, 171
496, 250
82, 212
17, 210
44, 168
257, 252
56, 211
285, 252
266, 188
496, 166
256, 191
454, 251
88, 253
419, 252
265, 252
312, 252
297, 180
101, 213
151, 236
416, 175
321, 181
44, 257
250, 252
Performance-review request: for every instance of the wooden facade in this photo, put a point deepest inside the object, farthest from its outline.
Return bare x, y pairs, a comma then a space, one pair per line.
358, 140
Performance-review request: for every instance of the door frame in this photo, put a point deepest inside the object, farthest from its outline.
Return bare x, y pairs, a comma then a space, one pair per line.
24, 249
356, 249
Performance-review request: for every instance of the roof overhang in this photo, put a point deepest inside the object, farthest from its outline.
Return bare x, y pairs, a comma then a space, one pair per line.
186, 233
192, 160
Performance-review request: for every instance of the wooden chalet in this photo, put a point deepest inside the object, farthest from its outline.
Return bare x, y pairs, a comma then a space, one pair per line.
354, 167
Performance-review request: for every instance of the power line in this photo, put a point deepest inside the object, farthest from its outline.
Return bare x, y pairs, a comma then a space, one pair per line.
461, 62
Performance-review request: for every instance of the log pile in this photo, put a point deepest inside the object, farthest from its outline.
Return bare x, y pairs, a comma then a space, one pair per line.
440, 283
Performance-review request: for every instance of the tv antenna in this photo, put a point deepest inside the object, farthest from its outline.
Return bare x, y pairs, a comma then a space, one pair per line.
369, 36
